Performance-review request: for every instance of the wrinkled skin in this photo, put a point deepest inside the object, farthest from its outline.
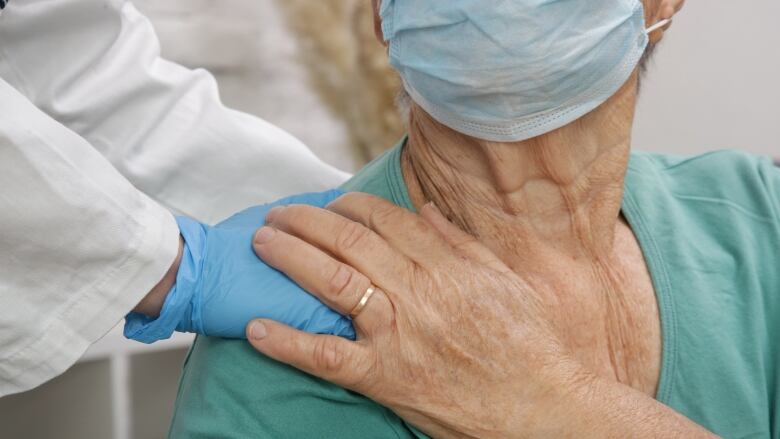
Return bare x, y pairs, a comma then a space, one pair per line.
431, 308
452, 341
444, 342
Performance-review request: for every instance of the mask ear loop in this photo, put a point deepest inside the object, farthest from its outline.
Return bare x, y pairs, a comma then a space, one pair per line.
658, 25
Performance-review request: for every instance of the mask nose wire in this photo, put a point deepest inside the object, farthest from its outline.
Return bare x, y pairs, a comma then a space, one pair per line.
658, 25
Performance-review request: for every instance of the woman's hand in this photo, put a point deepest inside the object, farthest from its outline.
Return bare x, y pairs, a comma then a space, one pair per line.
444, 341
452, 340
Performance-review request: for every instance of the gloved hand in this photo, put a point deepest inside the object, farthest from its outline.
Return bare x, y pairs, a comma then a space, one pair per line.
221, 284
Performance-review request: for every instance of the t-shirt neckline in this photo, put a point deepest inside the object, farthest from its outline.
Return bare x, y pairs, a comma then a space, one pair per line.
655, 263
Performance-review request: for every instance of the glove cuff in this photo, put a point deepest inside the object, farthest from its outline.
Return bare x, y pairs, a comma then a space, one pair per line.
179, 312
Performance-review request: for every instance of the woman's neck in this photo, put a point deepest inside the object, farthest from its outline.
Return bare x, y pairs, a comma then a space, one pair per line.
560, 192
549, 207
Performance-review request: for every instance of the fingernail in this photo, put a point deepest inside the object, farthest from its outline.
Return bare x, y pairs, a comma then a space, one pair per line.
269, 217
257, 331
264, 235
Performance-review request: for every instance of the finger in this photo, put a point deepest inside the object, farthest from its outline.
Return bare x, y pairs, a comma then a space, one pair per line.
347, 240
338, 285
331, 358
460, 240
402, 229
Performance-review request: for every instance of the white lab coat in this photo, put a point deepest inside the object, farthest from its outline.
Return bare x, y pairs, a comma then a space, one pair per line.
99, 139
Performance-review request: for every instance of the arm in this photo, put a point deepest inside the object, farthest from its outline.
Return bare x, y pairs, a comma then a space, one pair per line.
79, 245
96, 69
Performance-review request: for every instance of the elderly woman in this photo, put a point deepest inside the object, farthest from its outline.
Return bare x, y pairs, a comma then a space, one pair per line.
578, 289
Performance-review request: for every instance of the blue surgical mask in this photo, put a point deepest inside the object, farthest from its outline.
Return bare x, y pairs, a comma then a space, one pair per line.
509, 70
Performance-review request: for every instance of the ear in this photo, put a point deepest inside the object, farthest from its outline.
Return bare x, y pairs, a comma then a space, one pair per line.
666, 10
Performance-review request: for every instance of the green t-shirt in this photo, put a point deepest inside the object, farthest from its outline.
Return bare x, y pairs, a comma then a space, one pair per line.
709, 228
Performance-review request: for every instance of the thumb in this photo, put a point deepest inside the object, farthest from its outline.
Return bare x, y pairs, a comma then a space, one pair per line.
466, 244
329, 357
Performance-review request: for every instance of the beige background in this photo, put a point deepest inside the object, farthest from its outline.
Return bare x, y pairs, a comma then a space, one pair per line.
715, 83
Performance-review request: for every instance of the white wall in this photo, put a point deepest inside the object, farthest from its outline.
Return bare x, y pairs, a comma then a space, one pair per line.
248, 47
715, 82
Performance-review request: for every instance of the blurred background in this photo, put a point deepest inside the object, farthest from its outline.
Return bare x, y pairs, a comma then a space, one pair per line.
314, 68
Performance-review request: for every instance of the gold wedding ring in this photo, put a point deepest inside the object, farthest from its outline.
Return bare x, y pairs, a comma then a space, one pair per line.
363, 301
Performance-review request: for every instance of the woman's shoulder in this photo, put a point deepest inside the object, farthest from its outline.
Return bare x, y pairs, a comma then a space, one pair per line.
718, 206
709, 227
229, 390
744, 186
383, 177
713, 222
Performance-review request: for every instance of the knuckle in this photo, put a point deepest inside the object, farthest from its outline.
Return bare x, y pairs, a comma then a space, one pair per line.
344, 201
383, 215
365, 378
328, 354
416, 226
465, 243
295, 214
292, 216
343, 281
351, 197
350, 236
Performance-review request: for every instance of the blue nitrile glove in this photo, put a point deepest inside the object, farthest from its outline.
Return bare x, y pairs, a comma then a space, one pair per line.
222, 284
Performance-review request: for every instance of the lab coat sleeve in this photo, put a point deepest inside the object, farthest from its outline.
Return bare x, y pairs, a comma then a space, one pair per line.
79, 245
94, 65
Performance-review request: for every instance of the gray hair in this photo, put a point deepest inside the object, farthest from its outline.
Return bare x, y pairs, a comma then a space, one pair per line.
644, 64
403, 102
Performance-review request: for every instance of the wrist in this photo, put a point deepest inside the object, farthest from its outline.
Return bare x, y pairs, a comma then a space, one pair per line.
568, 389
173, 305
572, 412
152, 303
595, 407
